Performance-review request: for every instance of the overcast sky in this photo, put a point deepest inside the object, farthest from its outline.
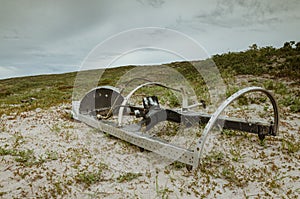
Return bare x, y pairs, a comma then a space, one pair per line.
54, 36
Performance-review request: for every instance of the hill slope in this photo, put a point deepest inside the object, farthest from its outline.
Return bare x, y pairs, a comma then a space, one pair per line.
50, 90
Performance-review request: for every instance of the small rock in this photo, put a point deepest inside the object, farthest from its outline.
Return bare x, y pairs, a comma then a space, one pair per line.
38, 110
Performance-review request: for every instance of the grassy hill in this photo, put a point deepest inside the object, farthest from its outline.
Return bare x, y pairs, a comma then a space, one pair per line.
278, 64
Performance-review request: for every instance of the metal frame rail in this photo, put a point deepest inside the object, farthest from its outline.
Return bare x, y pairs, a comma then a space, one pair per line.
132, 134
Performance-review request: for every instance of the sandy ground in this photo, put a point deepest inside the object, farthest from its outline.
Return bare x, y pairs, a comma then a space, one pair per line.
45, 154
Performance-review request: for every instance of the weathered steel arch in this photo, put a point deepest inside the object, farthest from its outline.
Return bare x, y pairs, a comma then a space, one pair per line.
200, 145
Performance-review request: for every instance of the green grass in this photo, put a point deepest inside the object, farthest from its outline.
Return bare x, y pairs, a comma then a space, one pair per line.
281, 62
48, 90
88, 178
290, 146
25, 157
161, 192
128, 177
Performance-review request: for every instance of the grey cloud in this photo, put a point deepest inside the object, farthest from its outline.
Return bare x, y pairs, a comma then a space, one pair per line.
44, 34
152, 3
234, 13
48, 20
11, 34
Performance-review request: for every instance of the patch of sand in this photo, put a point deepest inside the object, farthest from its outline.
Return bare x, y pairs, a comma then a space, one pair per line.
49, 155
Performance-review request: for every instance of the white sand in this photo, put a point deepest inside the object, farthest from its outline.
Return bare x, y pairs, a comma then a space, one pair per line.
63, 150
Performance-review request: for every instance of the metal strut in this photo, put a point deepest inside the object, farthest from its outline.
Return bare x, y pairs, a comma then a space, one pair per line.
121, 110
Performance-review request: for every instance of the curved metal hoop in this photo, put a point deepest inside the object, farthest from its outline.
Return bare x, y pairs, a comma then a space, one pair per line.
200, 145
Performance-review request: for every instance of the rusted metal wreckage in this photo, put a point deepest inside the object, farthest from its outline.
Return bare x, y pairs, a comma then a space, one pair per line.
100, 104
